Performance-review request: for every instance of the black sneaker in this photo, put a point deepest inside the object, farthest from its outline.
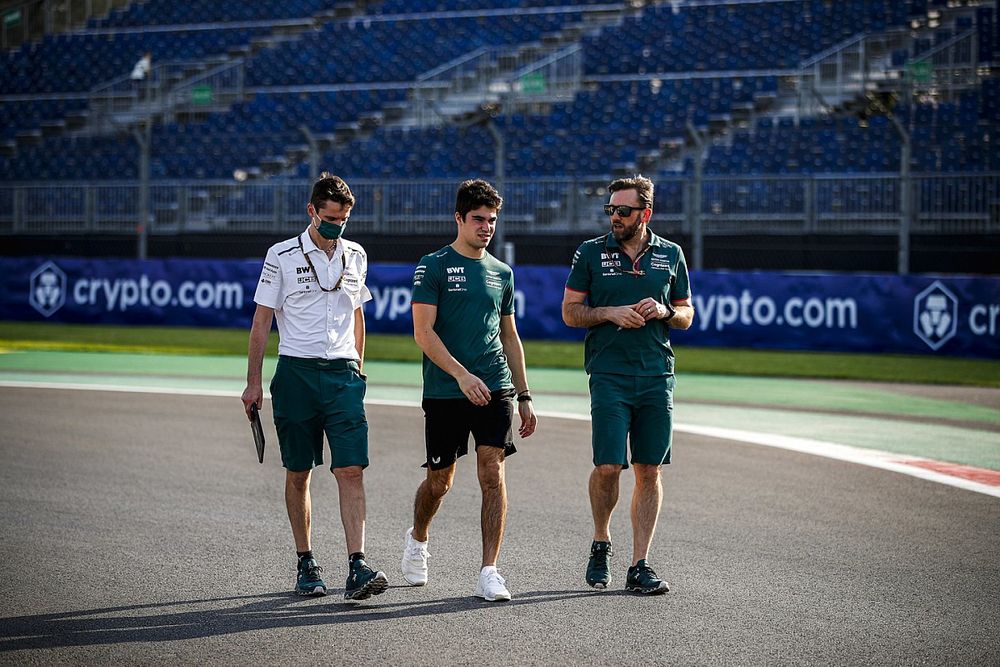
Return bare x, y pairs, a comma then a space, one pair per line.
597, 568
364, 582
308, 581
642, 579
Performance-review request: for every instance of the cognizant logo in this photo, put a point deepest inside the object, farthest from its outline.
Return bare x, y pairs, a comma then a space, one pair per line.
122, 294
723, 310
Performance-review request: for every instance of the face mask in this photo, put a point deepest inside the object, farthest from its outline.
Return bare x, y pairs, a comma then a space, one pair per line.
329, 230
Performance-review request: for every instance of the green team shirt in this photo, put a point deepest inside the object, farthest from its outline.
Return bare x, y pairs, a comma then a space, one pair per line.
471, 296
598, 271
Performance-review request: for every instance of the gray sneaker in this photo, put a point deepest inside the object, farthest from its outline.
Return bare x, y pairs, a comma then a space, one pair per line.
642, 579
308, 581
364, 582
598, 575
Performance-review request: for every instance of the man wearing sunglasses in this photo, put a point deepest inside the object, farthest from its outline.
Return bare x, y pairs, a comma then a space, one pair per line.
315, 285
628, 287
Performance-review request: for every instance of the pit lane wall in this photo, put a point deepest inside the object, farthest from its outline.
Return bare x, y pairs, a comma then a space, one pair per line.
935, 315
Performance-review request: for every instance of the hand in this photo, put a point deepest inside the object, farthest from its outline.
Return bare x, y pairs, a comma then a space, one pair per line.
251, 396
528, 419
626, 317
650, 309
474, 389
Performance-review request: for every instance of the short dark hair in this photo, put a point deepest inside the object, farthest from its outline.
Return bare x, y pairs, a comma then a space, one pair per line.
475, 193
643, 188
330, 188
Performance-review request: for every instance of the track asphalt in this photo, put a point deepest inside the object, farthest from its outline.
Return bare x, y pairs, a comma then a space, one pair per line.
140, 529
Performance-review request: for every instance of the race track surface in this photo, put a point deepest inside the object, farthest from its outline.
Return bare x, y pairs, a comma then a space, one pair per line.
139, 528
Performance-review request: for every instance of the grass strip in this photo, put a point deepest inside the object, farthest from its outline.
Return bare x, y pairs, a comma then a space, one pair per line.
539, 354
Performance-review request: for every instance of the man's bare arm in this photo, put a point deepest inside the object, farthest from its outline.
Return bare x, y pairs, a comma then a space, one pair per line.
259, 332
424, 317
683, 315
514, 351
359, 336
576, 313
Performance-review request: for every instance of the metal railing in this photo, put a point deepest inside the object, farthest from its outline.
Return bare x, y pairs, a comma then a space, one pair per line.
527, 75
846, 70
948, 67
171, 87
824, 204
856, 65
21, 22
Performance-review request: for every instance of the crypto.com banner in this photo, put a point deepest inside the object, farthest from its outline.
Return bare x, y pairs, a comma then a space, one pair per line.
954, 316
857, 313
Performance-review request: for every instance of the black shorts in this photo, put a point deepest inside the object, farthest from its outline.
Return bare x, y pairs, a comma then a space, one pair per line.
448, 422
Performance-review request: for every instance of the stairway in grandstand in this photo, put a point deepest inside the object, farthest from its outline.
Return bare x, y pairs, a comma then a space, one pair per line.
515, 60
289, 89
798, 119
198, 47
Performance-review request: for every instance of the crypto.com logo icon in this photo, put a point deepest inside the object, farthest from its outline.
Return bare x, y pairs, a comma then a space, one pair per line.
48, 289
935, 315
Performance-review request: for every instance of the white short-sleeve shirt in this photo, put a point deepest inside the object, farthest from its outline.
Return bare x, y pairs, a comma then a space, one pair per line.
313, 323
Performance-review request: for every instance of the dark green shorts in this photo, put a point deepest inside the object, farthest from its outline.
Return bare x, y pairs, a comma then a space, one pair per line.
310, 397
631, 411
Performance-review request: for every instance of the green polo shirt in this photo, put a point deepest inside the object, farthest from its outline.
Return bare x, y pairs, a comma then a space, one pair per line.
471, 295
597, 271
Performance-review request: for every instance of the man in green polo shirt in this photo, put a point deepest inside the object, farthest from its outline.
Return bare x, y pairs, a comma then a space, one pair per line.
463, 320
628, 287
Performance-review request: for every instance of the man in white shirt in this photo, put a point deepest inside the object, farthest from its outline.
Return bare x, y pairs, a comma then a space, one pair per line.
315, 285
140, 73
143, 66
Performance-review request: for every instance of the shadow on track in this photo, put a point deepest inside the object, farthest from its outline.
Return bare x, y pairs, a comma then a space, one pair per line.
244, 613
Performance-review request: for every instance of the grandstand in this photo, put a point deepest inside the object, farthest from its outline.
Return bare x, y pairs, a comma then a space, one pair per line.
783, 134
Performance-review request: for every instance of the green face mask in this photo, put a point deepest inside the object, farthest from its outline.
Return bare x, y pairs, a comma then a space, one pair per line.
329, 230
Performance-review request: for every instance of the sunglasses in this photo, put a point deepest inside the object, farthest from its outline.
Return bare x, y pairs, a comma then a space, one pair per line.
622, 210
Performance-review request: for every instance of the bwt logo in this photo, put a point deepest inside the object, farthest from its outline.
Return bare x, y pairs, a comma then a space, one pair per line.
935, 315
47, 289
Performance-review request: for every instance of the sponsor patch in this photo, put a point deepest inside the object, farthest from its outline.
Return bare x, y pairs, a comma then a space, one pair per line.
659, 262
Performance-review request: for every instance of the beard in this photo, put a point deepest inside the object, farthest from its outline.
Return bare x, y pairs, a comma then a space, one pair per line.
627, 233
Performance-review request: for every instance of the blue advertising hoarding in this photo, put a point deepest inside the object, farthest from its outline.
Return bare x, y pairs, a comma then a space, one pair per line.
952, 316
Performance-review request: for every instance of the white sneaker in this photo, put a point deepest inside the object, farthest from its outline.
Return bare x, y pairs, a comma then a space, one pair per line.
492, 586
414, 563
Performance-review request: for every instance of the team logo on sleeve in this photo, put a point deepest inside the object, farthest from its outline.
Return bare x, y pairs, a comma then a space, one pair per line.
418, 274
269, 273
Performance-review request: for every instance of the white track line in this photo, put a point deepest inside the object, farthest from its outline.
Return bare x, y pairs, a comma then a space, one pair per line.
872, 458
899, 463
